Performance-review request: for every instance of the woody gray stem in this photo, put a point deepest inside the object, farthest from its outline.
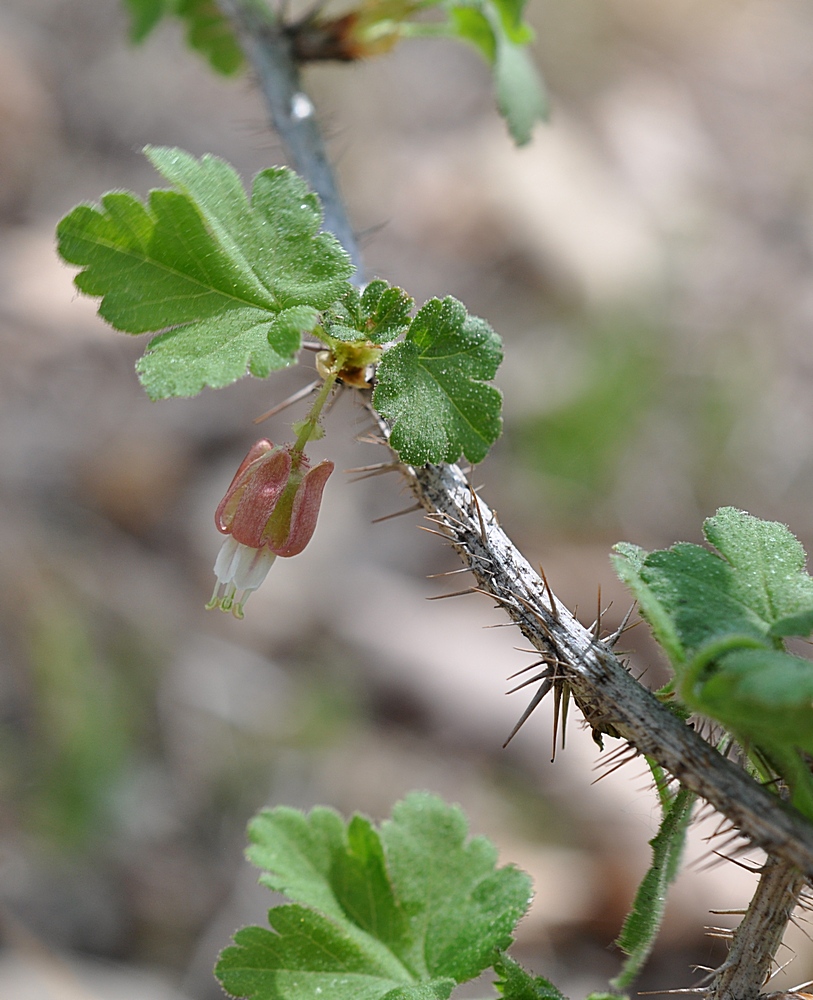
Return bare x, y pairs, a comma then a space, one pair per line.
269, 50
610, 699
754, 945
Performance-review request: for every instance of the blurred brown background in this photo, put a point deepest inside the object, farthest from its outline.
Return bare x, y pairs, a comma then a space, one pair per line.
648, 262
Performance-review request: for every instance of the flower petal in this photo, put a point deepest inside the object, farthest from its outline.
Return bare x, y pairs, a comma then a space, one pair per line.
258, 497
305, 510
226, 507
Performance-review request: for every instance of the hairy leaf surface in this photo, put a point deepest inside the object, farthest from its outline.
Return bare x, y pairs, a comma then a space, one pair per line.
379, 314
514, 983
754, 585
637, 937
432, 386
404, 913
231, 282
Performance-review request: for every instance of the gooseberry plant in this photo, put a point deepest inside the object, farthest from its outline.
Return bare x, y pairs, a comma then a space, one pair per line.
231, 284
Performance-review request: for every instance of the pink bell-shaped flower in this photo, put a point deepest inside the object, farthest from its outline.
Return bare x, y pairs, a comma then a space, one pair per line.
269, 510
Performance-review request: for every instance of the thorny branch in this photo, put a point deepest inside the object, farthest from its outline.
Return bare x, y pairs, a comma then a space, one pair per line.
748, 965
611, 700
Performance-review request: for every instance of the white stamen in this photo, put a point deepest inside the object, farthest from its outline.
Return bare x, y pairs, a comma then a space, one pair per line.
238, 568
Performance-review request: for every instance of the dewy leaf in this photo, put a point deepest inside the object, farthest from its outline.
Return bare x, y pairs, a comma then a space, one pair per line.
227, 280
514, 983
432, 386
305, 954
756, 586
459, 906
401, 915
379, 314
340, 871
770, 568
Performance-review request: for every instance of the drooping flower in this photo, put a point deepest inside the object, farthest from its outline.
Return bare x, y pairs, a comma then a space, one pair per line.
269, 510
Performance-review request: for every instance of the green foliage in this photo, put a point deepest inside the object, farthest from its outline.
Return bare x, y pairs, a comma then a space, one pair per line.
144, 15
641, 927
495, 27
755, 585
379, 314
514, 983
404, 912
207, 30
233, 284
209, 33
432, 386
499, 33
721, 616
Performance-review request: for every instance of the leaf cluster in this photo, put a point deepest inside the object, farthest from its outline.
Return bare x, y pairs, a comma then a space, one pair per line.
230, 283
403, 912
496, 28
207, 30
721, 616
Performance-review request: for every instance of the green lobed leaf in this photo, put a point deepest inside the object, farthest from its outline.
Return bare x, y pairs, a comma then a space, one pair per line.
306, 955
754, 585
340, 871
643, 923
228, 280
459, 906
769, 563
514, 983
432, 386
406, 912
379, 314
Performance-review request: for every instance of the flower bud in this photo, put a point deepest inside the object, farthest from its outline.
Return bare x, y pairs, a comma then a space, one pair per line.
269, 510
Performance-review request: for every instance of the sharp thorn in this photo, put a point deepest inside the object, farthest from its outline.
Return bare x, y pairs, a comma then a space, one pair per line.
532, 680
537, 698
431, 531
397, 513
476, 504
536, 663
554, 608
293, 398
457, 593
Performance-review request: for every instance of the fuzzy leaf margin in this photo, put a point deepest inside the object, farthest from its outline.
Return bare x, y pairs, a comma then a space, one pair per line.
231, 282
403, 912
433, 386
